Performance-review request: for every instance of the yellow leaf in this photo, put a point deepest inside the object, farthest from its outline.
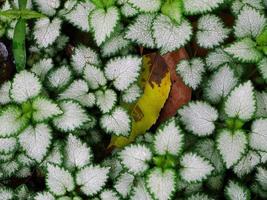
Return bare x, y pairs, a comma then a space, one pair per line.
156, 83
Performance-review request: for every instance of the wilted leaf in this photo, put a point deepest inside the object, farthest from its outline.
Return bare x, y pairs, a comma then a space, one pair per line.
180, 94
155, 81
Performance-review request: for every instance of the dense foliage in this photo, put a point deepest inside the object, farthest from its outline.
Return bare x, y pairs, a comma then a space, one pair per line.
79, 72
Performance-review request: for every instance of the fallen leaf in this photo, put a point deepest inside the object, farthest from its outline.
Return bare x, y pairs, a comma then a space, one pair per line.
180, 94
156, 84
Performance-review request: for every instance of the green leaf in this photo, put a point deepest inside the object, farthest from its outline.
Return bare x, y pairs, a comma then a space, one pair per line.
12, 121
103, 3
92, 179
161, 184
104, 23
23, 14
231, 145
173, 9
18, 45
194, 168
244, 50
262, 38
241, 102
59, 180
194, 7
146, 5
124, 184
36, 140
22, 4
235, 190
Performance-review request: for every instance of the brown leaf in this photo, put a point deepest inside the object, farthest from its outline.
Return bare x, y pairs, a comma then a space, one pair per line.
180, 94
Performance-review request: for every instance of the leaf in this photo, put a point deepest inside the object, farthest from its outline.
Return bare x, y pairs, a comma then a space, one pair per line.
131, 94
140, 30
180, 94
241, 102
114, 45
238, 5
127, 10
92, 179
109, 195
146, 5
211, 31
46, 32
4, 93
235, 191
168, 139
58, 180
8, 145
77, 154
216, 58
20, 14
35, 141
220, 84
168, 35
261, 104
124, 184
24, 87
231, 145
194, 7
249, 23
244, 50
12, 121
103, 23
94, 76
207, 149
155, 82
103, 4
161, 184
78, 16
135, 158
44, 196
123, 71
117, 122
6, 194
191, 71
194, 168
73, 117
247, 163
10, 168
55, 156
44, 109
199, 196
78, 90
83, 56
174, 10
199, 117
59, 78
262, 67
261, 177
22, 4
106, 100
42, 67
140, 191
258, 135
261, 39
18, 44
47, 7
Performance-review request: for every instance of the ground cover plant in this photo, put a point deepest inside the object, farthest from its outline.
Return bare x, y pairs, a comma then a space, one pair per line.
133, 99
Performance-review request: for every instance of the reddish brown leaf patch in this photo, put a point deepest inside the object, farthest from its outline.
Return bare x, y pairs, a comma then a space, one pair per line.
180, 94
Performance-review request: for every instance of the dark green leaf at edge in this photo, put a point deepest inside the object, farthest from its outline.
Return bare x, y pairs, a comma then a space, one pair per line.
18, 45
